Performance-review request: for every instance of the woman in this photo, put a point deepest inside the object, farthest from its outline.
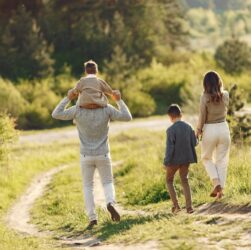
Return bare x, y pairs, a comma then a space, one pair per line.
214, 129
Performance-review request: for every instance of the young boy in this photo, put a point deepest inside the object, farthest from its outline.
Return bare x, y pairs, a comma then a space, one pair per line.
180, 152
92, 90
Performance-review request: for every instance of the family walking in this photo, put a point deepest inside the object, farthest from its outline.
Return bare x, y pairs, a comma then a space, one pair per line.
92, 114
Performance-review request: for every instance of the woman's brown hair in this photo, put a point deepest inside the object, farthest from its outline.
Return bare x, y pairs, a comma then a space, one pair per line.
213, 86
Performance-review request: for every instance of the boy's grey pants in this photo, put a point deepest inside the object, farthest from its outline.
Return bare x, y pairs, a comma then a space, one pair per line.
104, 166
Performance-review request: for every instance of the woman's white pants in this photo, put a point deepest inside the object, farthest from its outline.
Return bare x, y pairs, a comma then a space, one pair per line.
215, 150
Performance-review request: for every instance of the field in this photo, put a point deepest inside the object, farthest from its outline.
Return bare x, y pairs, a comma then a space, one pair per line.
141, 194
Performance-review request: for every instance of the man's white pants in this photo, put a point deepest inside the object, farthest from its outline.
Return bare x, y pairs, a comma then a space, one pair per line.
215, 150
104, 167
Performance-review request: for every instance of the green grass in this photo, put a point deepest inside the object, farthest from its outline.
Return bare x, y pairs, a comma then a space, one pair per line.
26, 161
140, 184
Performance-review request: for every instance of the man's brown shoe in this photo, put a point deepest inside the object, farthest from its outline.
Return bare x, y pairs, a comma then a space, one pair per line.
92, 224
114, 213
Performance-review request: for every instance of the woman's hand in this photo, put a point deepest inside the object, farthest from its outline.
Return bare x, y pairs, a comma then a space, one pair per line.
198, 133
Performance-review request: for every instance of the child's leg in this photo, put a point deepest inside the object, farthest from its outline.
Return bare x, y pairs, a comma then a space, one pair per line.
185, 184
170, 172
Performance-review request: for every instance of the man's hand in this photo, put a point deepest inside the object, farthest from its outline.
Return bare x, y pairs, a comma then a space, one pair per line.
116, 96
72, 94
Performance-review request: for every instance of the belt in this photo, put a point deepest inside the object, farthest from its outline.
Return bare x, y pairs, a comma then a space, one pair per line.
90, 106
215, 122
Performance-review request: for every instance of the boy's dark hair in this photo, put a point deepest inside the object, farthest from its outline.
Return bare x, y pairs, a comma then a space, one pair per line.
91, 67
174, 110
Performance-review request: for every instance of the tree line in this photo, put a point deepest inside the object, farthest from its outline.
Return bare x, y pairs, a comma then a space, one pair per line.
39, 37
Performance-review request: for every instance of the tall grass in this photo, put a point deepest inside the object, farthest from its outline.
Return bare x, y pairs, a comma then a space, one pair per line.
140, 184
27, 161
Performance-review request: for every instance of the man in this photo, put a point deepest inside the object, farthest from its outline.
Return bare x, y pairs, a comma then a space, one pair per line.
93, 127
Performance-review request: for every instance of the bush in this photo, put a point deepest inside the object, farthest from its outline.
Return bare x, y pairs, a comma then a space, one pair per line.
165, 84
11, 101
140, 103
41, 102
8, 135
233, 56
239, 123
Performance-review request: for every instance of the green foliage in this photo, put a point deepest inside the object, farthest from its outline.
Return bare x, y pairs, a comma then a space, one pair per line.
120, 73
165, 84
202, 21
8, 135
152, 193
28, 161
69, 27
140, 104
233, 56
41, 102
239, 123
24, 51
11, 101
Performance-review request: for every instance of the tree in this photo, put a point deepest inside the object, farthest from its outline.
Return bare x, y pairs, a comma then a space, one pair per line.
24, 51
120, 73
233, 56
80, 30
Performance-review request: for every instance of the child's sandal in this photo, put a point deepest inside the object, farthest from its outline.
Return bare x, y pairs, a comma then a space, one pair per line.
190, 210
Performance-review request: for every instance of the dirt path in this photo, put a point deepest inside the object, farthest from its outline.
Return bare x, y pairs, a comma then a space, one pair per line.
115, 128
18, 217
231, 217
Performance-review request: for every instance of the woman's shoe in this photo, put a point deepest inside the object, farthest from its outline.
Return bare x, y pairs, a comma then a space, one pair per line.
219, 194
215, 191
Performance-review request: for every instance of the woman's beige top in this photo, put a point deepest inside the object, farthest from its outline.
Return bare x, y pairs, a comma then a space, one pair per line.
92, 90
211, 112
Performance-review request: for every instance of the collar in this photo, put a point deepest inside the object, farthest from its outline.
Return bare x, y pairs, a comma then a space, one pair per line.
91, 76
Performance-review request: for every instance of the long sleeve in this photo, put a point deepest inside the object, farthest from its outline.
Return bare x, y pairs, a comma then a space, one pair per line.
60, 113
121, 114
202, 114
194, 140
105, 87
169, 147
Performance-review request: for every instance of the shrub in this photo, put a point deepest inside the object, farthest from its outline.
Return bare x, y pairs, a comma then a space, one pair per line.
8, 135
41, 101
239, 123
233, 56
165, 84
140, 103
11, 101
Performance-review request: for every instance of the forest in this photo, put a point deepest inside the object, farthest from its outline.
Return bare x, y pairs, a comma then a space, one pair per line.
154, 52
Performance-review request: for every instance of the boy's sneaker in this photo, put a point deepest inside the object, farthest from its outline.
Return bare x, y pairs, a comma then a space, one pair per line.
190, 210
175, 210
